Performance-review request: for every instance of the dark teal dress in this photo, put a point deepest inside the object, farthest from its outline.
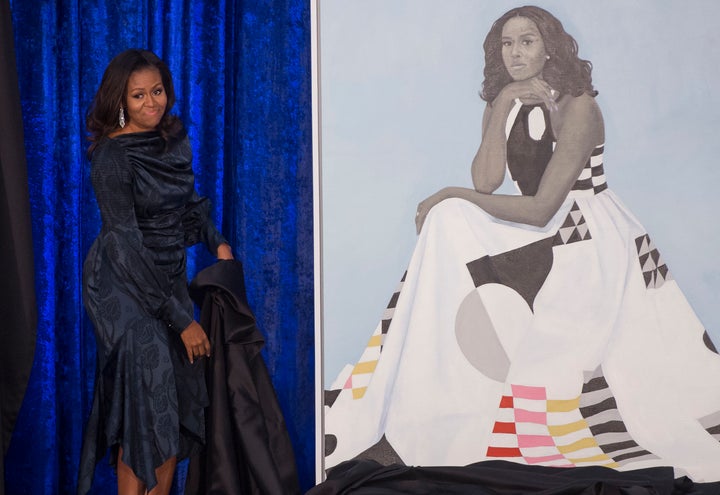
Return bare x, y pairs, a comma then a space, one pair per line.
148, 398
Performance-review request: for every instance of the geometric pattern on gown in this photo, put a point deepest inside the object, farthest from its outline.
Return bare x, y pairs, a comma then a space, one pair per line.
592, 175
523, 269
526, 268
707, 340
574, 228
711, 424
501, 268
360, 376
654, 269
533, 428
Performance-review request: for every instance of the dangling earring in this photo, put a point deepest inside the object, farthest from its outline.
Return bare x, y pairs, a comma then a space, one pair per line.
121, 120
547, 57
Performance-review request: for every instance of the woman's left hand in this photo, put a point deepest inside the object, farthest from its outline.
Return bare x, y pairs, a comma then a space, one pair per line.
426, 205
224, 252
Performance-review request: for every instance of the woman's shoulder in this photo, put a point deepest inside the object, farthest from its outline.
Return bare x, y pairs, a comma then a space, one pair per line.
107, 148
110, 158
579, 111
584, 103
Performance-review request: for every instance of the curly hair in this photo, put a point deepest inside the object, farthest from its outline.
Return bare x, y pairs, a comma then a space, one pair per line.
564, 71
102, 116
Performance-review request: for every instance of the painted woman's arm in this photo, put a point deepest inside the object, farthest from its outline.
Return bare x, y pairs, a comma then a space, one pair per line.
582, 130
488, 166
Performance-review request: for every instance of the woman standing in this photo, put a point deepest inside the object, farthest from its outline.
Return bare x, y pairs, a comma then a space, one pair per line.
541, 328
149, 390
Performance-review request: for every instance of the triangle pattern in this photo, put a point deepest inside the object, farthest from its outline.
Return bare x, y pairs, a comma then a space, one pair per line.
574, 228
655, 271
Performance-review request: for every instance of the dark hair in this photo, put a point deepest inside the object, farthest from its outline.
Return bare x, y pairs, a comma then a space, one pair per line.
564, 71
102, 116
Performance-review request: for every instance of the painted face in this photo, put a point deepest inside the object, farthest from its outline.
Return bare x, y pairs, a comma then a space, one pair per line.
146, 100
523, 49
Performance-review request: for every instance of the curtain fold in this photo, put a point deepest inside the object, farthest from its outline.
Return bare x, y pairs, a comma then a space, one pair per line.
17, 286
242, 75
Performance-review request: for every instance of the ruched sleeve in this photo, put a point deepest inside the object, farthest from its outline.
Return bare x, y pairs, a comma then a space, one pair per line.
198, 225
122, 240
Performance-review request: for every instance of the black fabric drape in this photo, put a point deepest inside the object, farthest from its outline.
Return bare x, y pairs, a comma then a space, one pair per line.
360, 477
248, 450
17, 292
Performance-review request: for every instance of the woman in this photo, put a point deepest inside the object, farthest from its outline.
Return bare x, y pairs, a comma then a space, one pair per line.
541, 328
523, 68
150, 391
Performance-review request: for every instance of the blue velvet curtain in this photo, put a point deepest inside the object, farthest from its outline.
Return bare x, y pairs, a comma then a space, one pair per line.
242, 74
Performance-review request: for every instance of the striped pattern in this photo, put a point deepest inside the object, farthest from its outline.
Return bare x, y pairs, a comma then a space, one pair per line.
593, 175
583, 431
359, 379
598, 407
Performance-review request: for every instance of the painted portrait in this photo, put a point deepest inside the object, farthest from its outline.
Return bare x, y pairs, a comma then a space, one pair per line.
483, 310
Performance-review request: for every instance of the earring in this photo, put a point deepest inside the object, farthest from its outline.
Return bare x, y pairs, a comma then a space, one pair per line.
121, 120
547, 57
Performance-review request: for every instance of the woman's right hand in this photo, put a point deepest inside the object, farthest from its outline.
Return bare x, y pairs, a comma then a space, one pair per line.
533, 90
196, 341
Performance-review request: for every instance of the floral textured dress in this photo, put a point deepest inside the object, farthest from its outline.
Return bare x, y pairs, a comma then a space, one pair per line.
149, 399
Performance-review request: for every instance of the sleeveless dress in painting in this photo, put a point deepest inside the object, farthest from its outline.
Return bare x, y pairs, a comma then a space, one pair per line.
563, 345
148, 398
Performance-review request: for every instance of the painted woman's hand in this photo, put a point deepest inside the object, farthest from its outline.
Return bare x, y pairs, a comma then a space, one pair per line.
196, 341
533, 90
426, 205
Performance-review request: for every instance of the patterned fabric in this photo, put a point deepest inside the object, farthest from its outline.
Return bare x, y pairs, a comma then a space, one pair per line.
563, 345
581, 431
593, 175
654, 269
135, 293
357, 378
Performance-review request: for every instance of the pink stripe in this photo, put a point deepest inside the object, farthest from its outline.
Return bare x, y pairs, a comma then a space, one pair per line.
525, 416
535, 441
524, 392
547, 458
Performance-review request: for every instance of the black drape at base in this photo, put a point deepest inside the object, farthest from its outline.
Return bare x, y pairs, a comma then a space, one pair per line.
367, 477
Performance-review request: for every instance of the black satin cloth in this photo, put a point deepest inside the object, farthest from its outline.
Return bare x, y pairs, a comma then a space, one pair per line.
148, 398
248, 450
367, 477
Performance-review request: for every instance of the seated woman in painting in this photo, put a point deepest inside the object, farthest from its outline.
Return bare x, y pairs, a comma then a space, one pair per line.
542, 328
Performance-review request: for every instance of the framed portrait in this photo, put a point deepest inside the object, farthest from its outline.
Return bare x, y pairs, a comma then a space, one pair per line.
398, 115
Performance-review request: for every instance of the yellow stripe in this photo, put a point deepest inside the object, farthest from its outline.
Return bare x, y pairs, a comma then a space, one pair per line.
563, 405
583, 443
359, 392
560, 430
375, 341
595, 459
366, 367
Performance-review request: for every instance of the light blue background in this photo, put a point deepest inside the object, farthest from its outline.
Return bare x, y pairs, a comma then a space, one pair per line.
400, 118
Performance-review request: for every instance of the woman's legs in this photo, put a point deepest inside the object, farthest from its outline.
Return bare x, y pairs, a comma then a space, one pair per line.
129, 484
164, 475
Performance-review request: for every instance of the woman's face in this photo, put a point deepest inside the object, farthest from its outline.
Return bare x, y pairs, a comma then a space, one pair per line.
146, 100
523, 49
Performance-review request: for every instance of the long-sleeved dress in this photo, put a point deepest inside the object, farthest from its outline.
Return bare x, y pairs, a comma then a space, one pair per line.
148, 399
